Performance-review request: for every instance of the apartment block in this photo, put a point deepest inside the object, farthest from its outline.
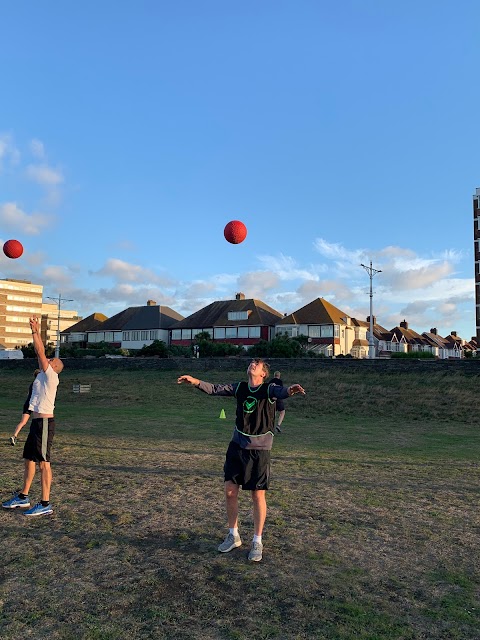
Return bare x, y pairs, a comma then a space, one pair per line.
19, 300
476, 240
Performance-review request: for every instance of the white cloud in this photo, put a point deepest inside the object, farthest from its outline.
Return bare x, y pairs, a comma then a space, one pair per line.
422, 274
8, 151
37, 148
15, 218
336, 251
126, 272
286, 268
44, 175
57, 276
257, 284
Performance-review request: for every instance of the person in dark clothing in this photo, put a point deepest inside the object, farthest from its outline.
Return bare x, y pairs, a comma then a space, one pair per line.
247, 462
26, 413
280, 404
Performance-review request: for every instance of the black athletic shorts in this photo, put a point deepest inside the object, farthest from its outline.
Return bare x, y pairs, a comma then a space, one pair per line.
249, 468
280, 405
39, 440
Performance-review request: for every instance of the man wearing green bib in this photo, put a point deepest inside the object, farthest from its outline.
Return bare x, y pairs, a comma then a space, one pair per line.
247, 462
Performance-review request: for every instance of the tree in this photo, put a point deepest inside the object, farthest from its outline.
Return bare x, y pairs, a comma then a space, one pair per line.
157, 348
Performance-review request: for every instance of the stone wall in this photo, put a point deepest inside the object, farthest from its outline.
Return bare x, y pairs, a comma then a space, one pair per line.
194, 366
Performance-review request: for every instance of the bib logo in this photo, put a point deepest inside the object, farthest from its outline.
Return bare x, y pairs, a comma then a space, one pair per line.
249, 405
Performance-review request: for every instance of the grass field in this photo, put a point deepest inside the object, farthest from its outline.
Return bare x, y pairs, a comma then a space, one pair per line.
373, 529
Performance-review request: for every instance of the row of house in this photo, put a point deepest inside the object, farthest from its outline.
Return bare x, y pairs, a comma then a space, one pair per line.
246, 321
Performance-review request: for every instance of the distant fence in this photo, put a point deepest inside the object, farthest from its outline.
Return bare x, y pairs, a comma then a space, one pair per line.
470, 366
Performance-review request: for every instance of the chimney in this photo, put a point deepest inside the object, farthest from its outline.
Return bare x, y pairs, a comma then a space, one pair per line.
434, 331
240, 296
374, 319
453, 333
404, 324
151, 303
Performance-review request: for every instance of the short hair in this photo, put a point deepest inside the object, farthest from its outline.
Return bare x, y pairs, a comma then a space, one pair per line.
276, 374
266, 367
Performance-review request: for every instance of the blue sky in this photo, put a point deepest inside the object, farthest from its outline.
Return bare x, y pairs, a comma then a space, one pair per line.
131, 132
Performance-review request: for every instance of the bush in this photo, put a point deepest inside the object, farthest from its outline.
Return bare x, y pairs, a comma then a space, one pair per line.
280, 347
157, 348
29, 350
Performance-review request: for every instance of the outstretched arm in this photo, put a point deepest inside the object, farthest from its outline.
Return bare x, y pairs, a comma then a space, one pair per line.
188, 379
295, 388
209, 388
38, 344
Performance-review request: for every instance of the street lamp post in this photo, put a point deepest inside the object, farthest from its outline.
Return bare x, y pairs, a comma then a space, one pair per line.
58, 302
371, 342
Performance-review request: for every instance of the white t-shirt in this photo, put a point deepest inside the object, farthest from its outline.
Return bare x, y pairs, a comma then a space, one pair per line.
44, 391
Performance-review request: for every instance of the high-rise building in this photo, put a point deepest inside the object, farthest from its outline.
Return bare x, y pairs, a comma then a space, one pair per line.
19, 299
476, 237
52, 321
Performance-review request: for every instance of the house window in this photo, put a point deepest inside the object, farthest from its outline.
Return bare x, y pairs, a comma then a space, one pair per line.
238, 315
219, 333
126, 335
108, 336
176, 334
336, 329
153, 334
327, 331
242, 332
186, 334
231, 332
253, 332
135, 335
314, 331
144, 335
291, 332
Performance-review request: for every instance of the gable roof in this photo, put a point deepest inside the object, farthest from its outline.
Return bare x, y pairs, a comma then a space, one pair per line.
409, 335
216, 315
138, 318
90, 323
319, 311
435, 339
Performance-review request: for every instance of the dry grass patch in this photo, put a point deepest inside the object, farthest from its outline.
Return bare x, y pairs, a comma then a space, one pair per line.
371, 533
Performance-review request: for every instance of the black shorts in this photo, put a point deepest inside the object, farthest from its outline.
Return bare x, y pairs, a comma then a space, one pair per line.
249, 468
280, 405
39, 441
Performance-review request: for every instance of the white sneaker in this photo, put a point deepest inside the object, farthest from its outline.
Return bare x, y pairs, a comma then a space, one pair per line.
256, 552
230, 542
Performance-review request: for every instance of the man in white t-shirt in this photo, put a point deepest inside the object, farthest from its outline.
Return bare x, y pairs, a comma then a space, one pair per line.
42, 430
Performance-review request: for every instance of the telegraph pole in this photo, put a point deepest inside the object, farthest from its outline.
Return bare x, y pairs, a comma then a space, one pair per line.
371, 342
58, 302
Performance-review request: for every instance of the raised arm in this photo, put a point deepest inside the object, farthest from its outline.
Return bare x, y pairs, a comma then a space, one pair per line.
38, 344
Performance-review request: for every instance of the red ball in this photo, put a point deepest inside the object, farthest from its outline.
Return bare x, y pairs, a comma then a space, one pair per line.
13, 249
235, 232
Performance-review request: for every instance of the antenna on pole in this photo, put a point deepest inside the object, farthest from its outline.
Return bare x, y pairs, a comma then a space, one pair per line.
371, 342
58, 302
